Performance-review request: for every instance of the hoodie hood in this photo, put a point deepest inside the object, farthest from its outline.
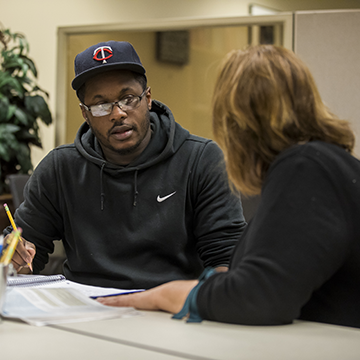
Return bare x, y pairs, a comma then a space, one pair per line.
167, 137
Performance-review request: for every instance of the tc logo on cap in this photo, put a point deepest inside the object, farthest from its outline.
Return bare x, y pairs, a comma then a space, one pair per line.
102, 53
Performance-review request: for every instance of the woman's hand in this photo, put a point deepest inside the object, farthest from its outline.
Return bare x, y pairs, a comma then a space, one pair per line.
168, 297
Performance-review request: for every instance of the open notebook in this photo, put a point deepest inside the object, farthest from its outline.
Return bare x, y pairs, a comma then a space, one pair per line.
51, 281
52, 299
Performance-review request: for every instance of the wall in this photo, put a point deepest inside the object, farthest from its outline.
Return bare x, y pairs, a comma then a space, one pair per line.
40, 19
336, 68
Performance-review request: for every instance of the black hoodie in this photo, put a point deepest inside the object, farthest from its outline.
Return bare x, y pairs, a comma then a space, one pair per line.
165, 216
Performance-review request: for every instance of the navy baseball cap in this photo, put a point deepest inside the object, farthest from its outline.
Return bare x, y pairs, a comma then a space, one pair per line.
105, 56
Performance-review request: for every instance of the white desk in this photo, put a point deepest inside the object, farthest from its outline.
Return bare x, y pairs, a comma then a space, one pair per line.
210, 340
156, 336
20, 341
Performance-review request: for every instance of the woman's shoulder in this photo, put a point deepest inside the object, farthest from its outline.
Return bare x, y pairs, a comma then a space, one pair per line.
319, 151
318, 159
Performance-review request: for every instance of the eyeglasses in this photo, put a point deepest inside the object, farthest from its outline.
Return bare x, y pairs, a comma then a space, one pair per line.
127, 103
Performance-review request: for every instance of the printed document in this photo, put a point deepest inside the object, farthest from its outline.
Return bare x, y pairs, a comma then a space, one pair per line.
57, 281
44, 306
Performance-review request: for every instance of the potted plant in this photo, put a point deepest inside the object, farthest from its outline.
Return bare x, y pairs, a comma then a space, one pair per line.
22, 105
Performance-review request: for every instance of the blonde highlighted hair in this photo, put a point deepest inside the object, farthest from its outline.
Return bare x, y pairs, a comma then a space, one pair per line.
265, 101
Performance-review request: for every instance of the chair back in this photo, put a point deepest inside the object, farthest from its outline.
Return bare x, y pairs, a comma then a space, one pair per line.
17, 183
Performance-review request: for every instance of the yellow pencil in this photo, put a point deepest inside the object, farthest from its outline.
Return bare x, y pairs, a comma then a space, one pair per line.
10, 216
9, 252
13, 226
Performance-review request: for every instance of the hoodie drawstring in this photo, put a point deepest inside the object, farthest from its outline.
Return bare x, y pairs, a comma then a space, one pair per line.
102, 194
135, 187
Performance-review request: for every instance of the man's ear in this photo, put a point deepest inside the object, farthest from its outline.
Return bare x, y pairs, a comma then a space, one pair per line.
83, 112
148, 98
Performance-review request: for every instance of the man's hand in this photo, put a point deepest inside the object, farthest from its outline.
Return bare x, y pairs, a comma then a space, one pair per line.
168, 297
23, 255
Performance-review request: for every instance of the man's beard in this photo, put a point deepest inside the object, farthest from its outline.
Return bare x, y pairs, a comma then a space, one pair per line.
145, 127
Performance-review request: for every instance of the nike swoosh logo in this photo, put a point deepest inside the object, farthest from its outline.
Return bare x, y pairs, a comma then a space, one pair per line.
161, 199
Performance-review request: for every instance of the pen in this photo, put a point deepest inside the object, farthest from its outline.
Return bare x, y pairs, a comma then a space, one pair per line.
13, 225
9, 252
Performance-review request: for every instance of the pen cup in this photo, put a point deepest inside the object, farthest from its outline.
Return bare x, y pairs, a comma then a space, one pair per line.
3, 280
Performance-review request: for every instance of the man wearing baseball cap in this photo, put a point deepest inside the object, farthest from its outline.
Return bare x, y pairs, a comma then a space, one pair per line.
136, 199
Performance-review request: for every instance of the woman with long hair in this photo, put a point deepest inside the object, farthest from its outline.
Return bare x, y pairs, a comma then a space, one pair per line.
299, 257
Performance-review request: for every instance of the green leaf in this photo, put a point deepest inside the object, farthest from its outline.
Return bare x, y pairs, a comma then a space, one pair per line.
8, 143
21, 117
22, 106
24, 158
6, 129
4, 153
7, 81
4, 78
31, 65
14, 86
24, 69
10, 112
13, 63
36, 105
4, 106
25, 136
36, 88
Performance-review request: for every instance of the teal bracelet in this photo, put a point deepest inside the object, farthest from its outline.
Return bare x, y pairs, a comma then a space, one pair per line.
190, 306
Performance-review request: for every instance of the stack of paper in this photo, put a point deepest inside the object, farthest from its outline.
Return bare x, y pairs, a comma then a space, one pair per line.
43, 300
59, 281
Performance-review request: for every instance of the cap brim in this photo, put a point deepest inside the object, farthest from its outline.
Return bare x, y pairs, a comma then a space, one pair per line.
86, 75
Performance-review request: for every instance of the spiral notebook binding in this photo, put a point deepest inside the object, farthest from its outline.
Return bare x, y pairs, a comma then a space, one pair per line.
31, 280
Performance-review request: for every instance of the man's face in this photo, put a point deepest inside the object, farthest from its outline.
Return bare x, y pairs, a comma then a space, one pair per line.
122, 135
